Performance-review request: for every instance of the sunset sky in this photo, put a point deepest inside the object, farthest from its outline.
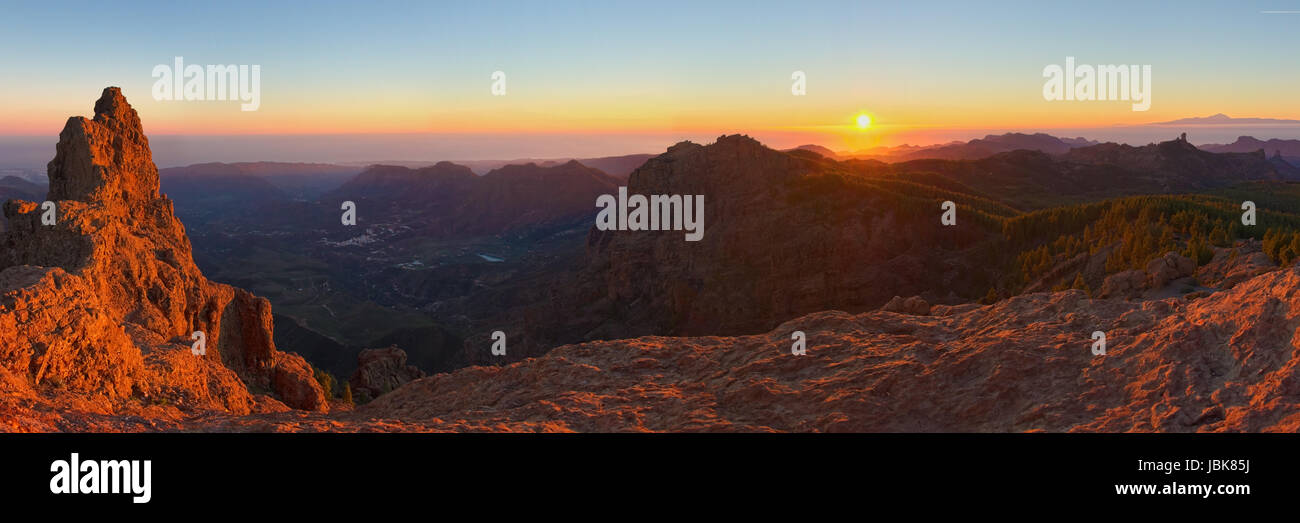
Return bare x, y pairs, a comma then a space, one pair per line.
649, 69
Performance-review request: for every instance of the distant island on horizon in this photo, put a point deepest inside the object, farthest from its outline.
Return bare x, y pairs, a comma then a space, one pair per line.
1223, 119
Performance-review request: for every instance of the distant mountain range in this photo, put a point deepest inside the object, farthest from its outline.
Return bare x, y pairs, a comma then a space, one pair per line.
15, 187
1287, 149
819, 150
1223, 119
439, 200
617, 166
206, 190
971, 150
306, 181
449, 199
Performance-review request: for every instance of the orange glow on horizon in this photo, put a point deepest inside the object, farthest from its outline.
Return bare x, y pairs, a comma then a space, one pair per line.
778, 122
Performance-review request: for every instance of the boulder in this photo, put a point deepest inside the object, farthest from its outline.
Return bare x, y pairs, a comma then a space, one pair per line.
380, 371
1167, 268
295, 383
1125, 284
914, 305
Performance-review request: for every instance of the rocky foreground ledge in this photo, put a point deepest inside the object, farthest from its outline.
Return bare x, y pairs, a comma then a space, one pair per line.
1223, 362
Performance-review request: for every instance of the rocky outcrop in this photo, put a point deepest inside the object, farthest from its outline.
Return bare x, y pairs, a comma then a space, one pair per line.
1123, 284
1168, 268
293, 380
105, 301
914, 305
380, 371
1231, 266
1159, 272
1229, 361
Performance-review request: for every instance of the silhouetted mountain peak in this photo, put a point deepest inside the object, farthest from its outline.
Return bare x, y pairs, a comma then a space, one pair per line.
684, 145
1178, 146
738, 141
978, 148
814, 148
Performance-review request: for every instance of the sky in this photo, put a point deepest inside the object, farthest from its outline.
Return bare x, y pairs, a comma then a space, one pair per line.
614, 77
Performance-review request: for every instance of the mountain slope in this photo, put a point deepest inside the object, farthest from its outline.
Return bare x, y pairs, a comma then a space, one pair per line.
785, 234
205, 191
449, 200
1226, 362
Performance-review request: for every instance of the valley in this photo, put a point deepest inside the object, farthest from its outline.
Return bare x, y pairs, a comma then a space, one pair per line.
436, 263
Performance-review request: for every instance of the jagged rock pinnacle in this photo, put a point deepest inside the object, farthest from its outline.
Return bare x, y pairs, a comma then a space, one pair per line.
105, 160
122, 296
112, 109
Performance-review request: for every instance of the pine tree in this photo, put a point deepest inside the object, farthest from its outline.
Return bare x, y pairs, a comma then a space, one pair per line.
990, 297
1080, 284
1219, 237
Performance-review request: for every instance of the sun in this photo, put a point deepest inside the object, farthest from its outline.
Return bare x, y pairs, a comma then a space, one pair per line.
864, 121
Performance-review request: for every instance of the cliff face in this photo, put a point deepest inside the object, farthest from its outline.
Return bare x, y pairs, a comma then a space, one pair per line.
104, 301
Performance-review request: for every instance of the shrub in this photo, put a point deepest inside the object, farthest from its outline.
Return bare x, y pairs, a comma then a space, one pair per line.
327, 382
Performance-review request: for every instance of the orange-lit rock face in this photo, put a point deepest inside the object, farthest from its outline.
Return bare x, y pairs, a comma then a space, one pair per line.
103, 302
1226, 362
105, 159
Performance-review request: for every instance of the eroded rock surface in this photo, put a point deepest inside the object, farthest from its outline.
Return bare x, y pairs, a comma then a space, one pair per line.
99, 308
380, 371
1225, 362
